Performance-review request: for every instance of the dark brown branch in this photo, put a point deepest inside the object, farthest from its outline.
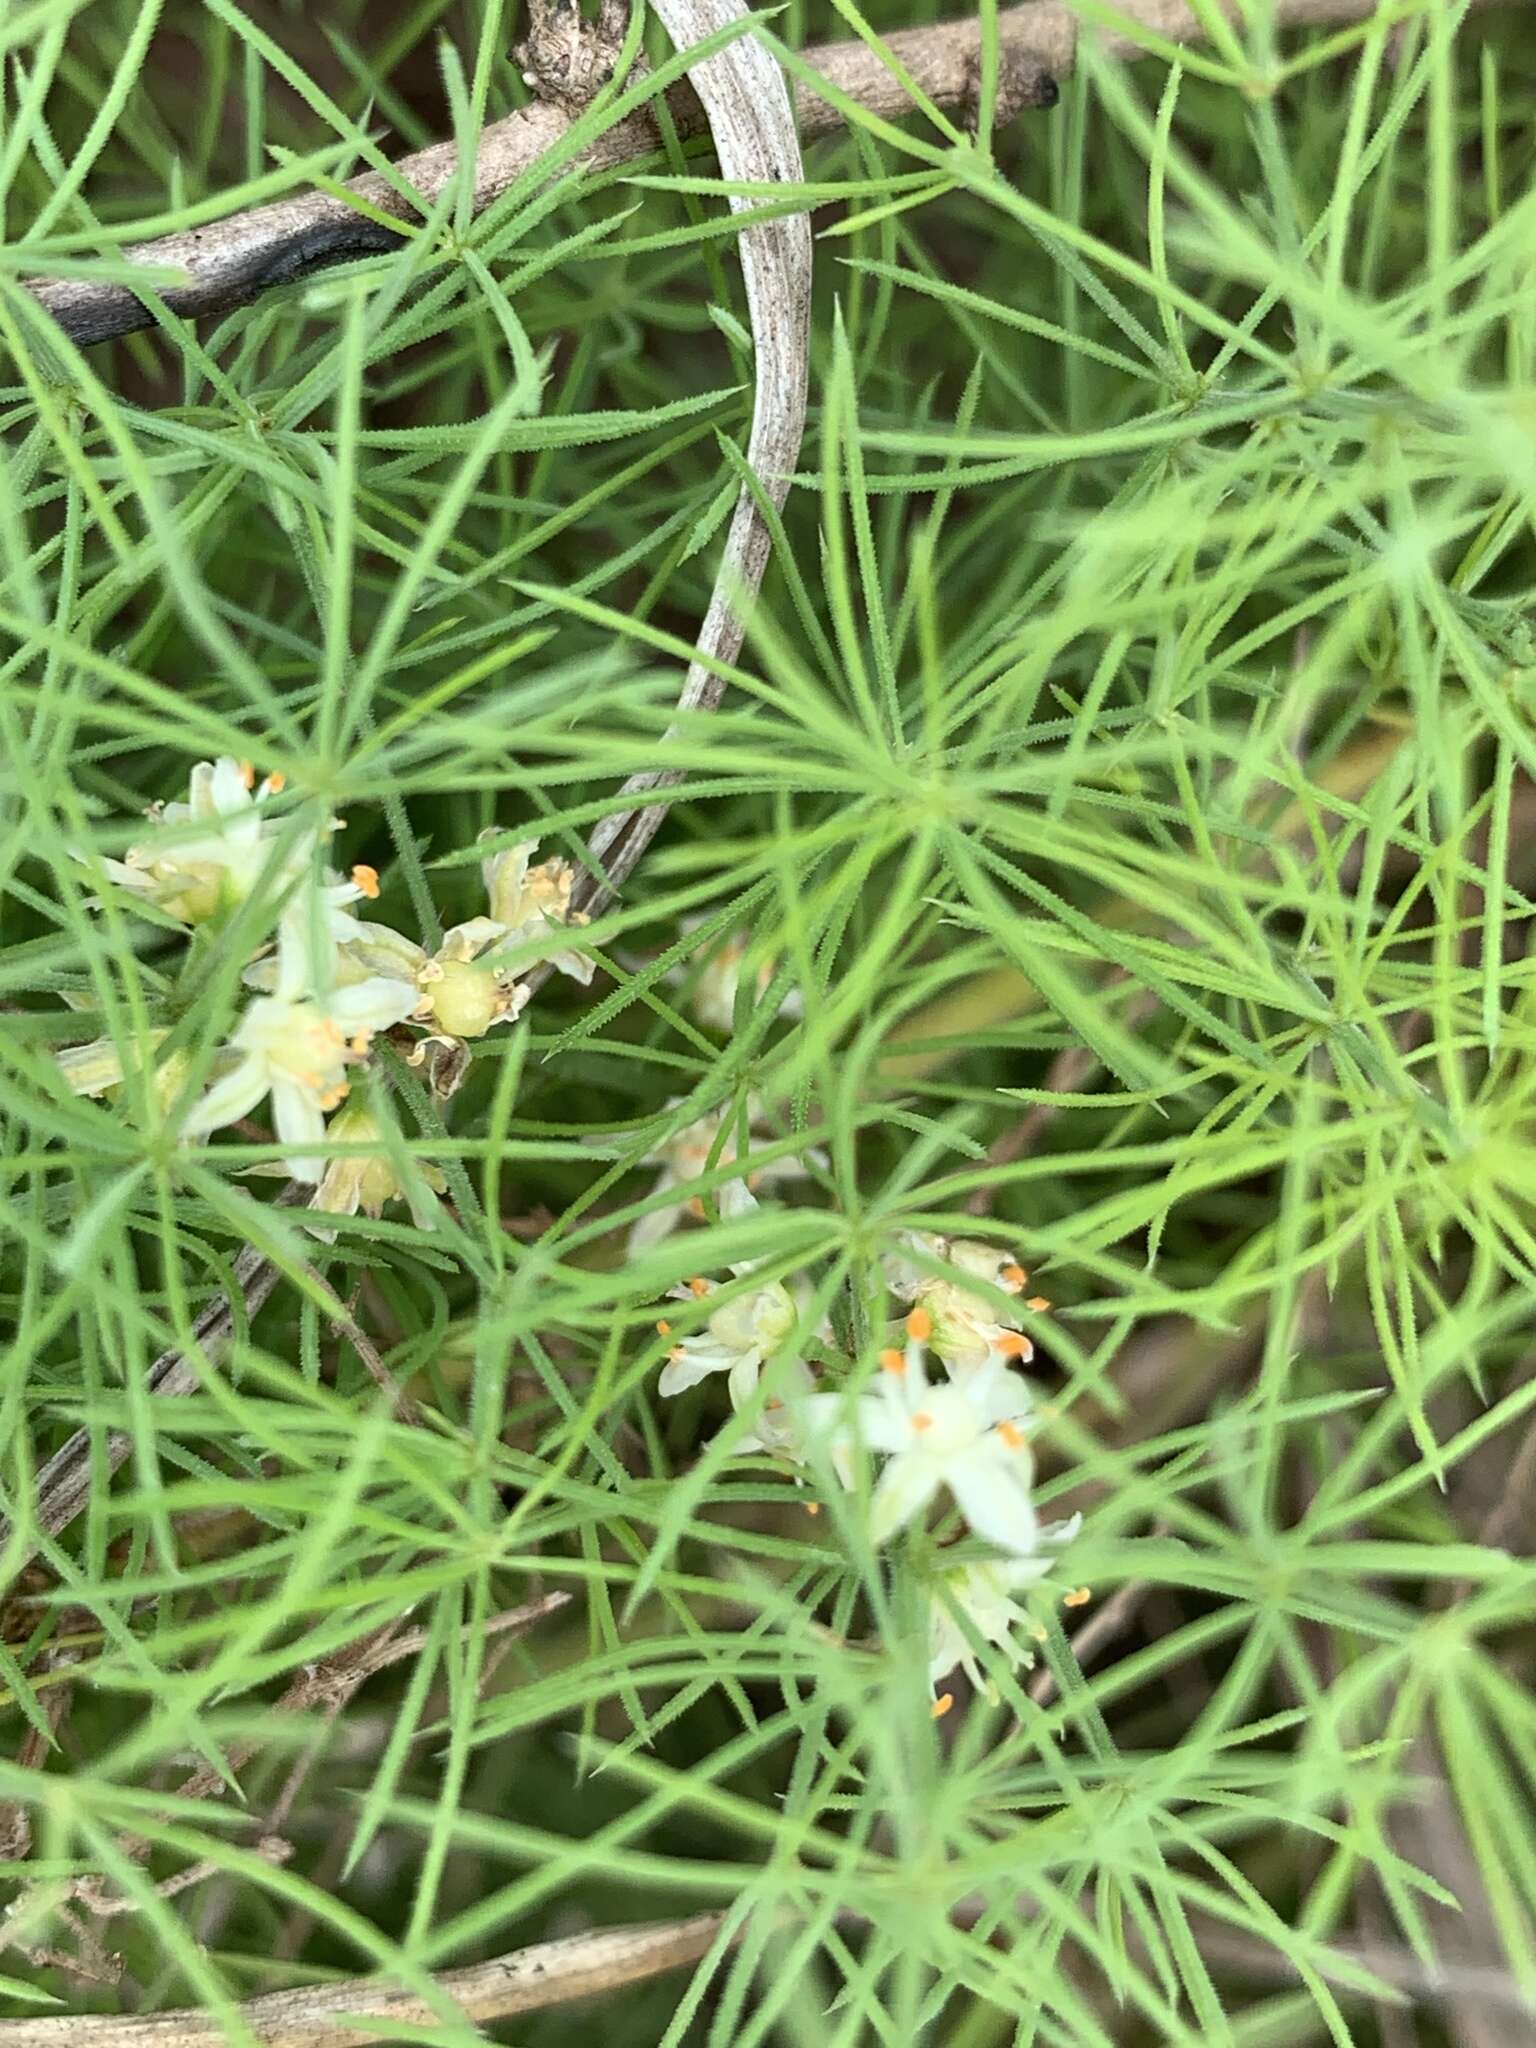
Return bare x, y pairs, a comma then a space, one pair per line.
230, 262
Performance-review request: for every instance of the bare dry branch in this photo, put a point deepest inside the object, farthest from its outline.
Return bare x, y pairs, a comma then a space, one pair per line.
363, 2009
747, 101
230, 262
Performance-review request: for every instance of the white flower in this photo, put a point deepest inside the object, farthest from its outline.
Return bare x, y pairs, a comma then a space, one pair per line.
780, 1427
458, 992
741, 1334
715, 990
465, 988
531, 903
965, 1437
296, 1046
368, 1182
983, 1594
962, 1326
333, 930
692, 1152
204, 857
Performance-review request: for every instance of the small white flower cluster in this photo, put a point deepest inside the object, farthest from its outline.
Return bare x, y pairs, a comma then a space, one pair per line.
706, 1145
965, 1436
332, 980
717, 983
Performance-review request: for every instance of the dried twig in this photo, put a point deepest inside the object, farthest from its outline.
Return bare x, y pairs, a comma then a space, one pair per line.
367, 2009
363, 2009
230, 262
753, 126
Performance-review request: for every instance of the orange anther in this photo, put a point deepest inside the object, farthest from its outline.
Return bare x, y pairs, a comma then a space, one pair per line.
366, 878
1078, 1597
920, 1325
698, 1285
942, 1705
1014, 1344
664, 1328
276, 782
1038, 1303
922, 1420
1014, 1276
247, 773
813, 1507
893, 1361
696, 1207
360, 1041
1011, 1435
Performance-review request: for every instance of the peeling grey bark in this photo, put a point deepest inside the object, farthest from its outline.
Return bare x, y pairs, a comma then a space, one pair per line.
753, 126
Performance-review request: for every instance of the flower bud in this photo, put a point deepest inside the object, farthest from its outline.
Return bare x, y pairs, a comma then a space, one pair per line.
465, 998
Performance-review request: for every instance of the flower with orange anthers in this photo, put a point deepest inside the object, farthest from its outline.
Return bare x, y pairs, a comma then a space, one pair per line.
467, 986
696, 1150
982, 1593
204, 857
967, 1437
532, 905
780, 1426
969, 1329
741, 1334
458, 992
297, 1045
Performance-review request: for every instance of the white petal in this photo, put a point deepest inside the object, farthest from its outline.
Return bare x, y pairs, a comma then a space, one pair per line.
734, 1199
576, 965
374, 1004
224, 791
1059, 1534
992, 1489
382, 950
656, 1224
504, 873
883, 1427
89, 1069
229, 1099
468, 940
695, 1361
340, 1190
201, 802
906, 1486
294, 965
299, 1122
996, 1394
744, 1377
126, 876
